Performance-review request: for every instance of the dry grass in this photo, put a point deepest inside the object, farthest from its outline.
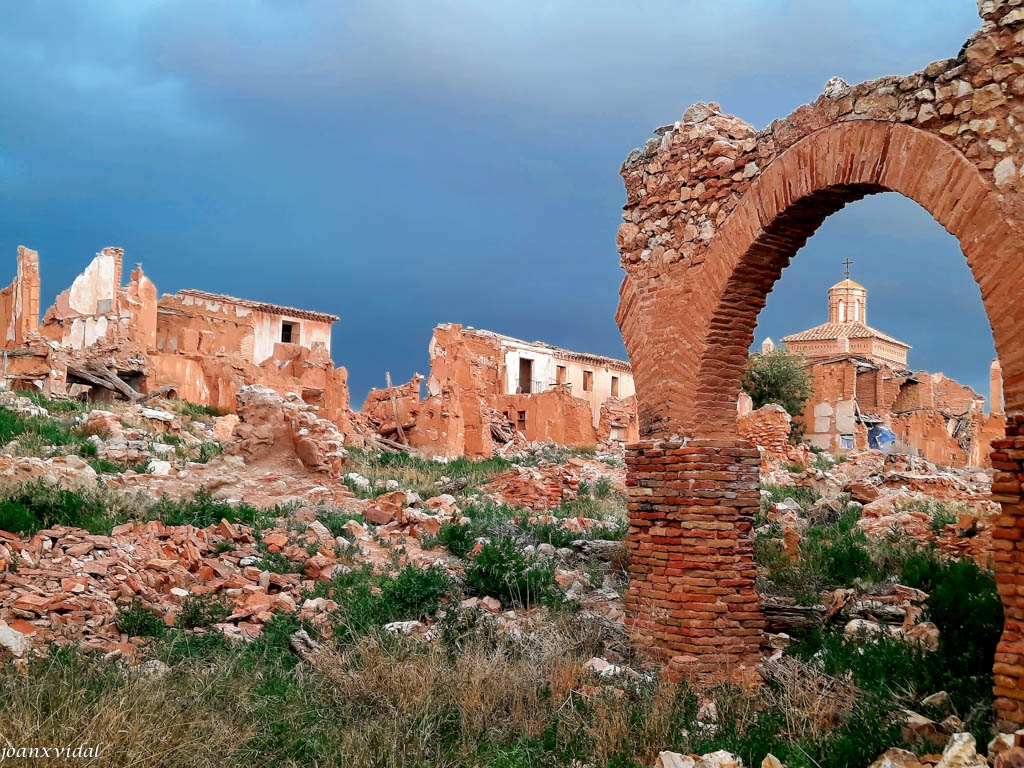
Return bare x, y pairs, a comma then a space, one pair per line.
174, 721
813, 703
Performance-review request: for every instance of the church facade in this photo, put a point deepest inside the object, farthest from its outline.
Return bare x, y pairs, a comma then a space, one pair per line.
866, 396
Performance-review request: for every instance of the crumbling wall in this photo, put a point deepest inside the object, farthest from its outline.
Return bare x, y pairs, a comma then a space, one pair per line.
382, 405
554, 415
831, 412
768, 428
472, 406
619, 424
97, 310
19, 302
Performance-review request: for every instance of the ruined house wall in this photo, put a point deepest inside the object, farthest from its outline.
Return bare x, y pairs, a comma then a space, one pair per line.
952, 396
267, 329
381, 405
831, 412
588, 378
555, 415
19, 302
475, 380
619, 423
930, 434
95, 309
714, 212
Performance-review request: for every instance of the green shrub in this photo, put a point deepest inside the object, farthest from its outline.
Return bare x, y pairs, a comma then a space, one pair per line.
108, 467
779, 377
202, 611
459, 538
137, 620
335, 523
414, 592
964, 604
501, 570
87, 449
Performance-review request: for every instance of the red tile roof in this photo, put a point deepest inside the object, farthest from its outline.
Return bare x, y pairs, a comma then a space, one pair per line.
854, 330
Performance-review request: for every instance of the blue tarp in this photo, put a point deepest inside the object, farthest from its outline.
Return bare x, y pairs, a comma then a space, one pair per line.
881, 438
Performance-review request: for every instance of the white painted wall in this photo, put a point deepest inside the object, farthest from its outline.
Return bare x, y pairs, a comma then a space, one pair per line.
95, 284
545, 370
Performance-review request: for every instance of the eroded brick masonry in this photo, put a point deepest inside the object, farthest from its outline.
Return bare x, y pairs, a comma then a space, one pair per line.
714, 212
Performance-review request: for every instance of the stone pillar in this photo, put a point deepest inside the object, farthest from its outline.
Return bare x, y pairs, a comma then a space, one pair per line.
1008, 557
691, 600
995, 388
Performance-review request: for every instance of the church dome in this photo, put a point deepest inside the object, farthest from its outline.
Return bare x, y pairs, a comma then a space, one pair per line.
848, 283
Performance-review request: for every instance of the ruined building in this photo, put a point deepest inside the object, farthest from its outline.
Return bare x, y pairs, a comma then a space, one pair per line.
486, 391
101, 339
863, 388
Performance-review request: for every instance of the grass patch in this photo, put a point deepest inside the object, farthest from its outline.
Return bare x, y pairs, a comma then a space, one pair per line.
203, 510
418, 474
803, 496
830, 554
108, 467
196, 410
941, 514
34, 506
66, 407
478, 697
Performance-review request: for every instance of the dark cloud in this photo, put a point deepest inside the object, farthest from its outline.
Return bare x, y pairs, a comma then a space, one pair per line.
407, 163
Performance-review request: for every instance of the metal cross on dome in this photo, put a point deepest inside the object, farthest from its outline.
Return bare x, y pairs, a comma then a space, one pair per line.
846, 271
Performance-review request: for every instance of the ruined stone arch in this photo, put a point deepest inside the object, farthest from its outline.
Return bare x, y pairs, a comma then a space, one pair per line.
715, 211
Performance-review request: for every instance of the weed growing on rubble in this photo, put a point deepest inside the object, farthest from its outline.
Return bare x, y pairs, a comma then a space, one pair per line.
550, 453
941, 514
831, 553
367, 600
207, 451
136, 620
202, 611
108, 467
501, 570
64, 407
37, 434
803, 496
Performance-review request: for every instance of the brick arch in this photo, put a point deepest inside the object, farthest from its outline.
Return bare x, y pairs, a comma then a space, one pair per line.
715, 210
810, 181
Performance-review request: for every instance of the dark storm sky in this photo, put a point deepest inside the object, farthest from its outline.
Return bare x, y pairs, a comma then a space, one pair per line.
402, 163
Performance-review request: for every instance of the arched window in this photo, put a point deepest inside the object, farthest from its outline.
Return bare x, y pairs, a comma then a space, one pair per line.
842, 311
856, 311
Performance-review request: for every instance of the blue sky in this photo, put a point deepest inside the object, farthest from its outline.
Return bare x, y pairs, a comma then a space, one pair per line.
406, 163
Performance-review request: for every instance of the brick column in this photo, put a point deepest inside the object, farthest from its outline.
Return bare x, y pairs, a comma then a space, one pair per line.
1008, 557
691, 600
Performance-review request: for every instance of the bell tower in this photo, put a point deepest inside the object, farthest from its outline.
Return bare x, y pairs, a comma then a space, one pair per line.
847, 300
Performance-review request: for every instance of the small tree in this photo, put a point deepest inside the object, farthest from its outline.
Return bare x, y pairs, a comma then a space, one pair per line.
779, 377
